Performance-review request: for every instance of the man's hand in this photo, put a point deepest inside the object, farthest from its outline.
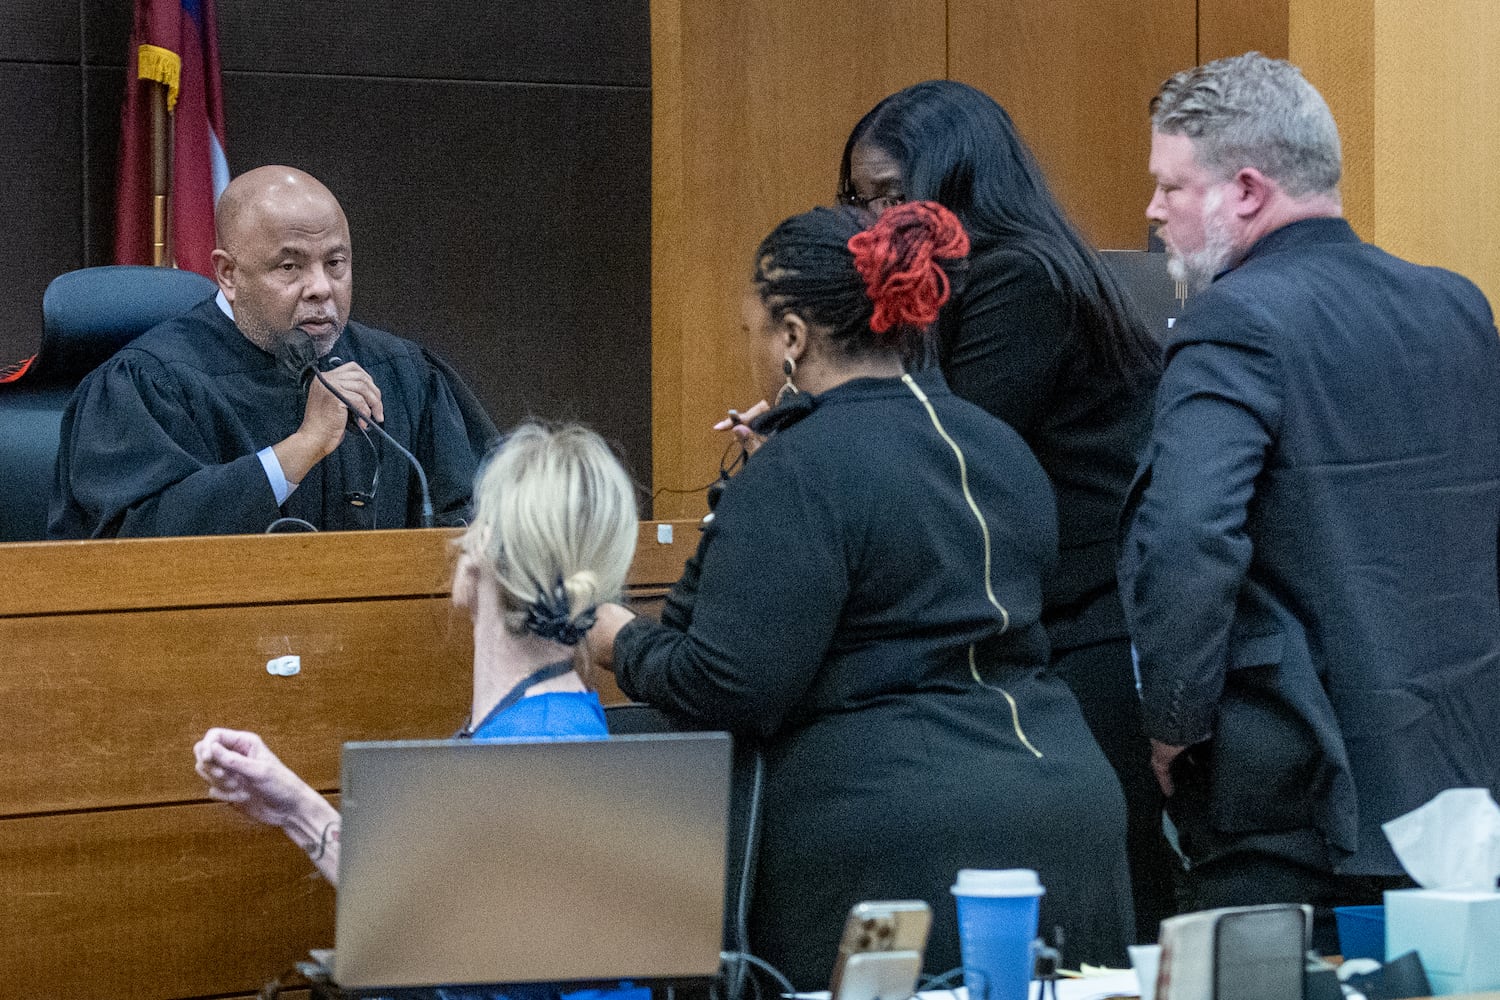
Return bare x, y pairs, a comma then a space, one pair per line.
324, 419
1162, 756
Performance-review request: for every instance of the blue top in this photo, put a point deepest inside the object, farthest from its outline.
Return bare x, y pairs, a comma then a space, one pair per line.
556, 715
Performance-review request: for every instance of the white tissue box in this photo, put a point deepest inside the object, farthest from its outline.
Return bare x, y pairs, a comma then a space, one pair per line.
1456, 933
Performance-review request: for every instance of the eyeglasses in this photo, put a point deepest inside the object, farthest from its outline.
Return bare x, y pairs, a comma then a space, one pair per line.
876, 204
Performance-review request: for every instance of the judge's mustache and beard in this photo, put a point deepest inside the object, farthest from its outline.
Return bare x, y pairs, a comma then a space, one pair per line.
322, 326
297, 350
1196, 269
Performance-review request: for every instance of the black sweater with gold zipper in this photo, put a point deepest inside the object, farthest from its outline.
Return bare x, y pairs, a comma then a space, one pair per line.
867, 602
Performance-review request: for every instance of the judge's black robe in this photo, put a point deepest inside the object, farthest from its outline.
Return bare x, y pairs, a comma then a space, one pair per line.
162, 438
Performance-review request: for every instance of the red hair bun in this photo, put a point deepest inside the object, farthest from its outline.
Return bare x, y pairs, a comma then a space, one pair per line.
898, 259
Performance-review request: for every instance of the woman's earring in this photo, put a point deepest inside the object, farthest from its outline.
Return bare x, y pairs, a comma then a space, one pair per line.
788, 368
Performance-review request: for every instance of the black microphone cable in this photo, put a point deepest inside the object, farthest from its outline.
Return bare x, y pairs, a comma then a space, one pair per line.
421, 474
299, 357
357, 498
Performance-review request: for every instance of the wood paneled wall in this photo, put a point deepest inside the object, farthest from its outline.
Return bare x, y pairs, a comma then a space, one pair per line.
1415, 90
1334, 43
752, 102
1229, 28
1076, 76
1437, 155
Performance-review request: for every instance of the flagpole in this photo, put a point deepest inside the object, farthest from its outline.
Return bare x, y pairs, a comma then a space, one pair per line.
161, 176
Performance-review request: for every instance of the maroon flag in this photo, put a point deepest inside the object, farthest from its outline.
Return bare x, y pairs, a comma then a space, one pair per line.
174, 43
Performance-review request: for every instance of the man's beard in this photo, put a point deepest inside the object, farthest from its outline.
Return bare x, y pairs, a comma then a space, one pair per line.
1198, 268
271, 340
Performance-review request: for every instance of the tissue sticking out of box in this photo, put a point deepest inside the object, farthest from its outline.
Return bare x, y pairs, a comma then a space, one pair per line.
1453, 842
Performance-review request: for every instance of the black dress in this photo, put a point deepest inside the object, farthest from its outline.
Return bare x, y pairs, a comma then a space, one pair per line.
162, 438
832, 609
1008, 344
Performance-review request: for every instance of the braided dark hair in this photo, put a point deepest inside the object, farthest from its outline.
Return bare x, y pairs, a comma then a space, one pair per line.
872, 289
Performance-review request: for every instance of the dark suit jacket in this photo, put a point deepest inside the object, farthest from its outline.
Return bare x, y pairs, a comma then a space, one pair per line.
1309, 571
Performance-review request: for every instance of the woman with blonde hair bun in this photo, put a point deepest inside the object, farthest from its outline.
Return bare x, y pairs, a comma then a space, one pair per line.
554, 530
553, 536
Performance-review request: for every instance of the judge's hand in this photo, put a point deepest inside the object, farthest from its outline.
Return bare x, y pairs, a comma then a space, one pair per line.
1162, 756
608, 620
324, 419
242, 771
739, 423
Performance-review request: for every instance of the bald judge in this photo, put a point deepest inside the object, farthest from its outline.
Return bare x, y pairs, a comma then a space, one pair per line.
210, 424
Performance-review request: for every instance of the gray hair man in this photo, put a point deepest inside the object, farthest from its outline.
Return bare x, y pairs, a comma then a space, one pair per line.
1309, 566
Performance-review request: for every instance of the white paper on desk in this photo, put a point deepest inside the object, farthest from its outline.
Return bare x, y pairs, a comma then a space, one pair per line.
1095, 987
1453, 842
1088, 988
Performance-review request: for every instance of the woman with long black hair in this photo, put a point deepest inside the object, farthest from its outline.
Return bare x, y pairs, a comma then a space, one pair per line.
1042, 336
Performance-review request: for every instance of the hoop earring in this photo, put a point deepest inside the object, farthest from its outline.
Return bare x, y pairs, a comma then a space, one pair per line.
788, 368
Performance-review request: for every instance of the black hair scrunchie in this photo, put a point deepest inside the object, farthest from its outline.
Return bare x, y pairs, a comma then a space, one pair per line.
549, 618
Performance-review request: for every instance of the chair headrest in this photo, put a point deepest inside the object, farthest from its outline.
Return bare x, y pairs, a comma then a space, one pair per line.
89, 314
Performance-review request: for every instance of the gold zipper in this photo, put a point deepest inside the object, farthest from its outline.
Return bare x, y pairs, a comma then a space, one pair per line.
989, 588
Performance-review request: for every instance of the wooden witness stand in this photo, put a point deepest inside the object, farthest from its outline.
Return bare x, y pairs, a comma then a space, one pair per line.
118, 877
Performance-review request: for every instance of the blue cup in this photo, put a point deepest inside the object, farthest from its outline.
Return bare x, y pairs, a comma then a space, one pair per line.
1361, 931
997, 921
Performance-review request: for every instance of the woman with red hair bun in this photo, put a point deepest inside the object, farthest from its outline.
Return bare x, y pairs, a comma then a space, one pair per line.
866, 601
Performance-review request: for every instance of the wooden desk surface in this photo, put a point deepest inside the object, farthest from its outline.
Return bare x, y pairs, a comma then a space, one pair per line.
49, 578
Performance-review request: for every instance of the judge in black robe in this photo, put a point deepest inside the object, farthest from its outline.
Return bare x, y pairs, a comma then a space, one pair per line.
163, 438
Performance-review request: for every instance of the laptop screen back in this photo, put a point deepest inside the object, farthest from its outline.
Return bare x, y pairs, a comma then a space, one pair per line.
466, 862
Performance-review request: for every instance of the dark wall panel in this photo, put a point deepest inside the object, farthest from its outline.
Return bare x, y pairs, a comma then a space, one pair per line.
40, 194
106, 31
39, 31
543, 41
104, 92
517, 249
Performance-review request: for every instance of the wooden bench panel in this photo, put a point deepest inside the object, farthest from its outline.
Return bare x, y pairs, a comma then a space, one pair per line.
104, 708
46, 578
130, 574
170, 901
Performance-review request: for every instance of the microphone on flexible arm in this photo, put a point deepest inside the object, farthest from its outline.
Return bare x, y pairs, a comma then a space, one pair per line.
299, 355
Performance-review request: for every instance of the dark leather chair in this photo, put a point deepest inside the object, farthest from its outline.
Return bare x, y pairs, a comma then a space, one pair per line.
87, 315
746, 781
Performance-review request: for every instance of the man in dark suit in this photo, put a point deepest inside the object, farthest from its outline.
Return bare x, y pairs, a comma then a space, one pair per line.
1309, 570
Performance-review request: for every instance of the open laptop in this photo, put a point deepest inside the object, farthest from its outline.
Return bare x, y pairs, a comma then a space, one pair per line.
580, 862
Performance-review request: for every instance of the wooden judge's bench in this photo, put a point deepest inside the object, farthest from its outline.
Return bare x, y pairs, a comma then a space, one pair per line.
118, 876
